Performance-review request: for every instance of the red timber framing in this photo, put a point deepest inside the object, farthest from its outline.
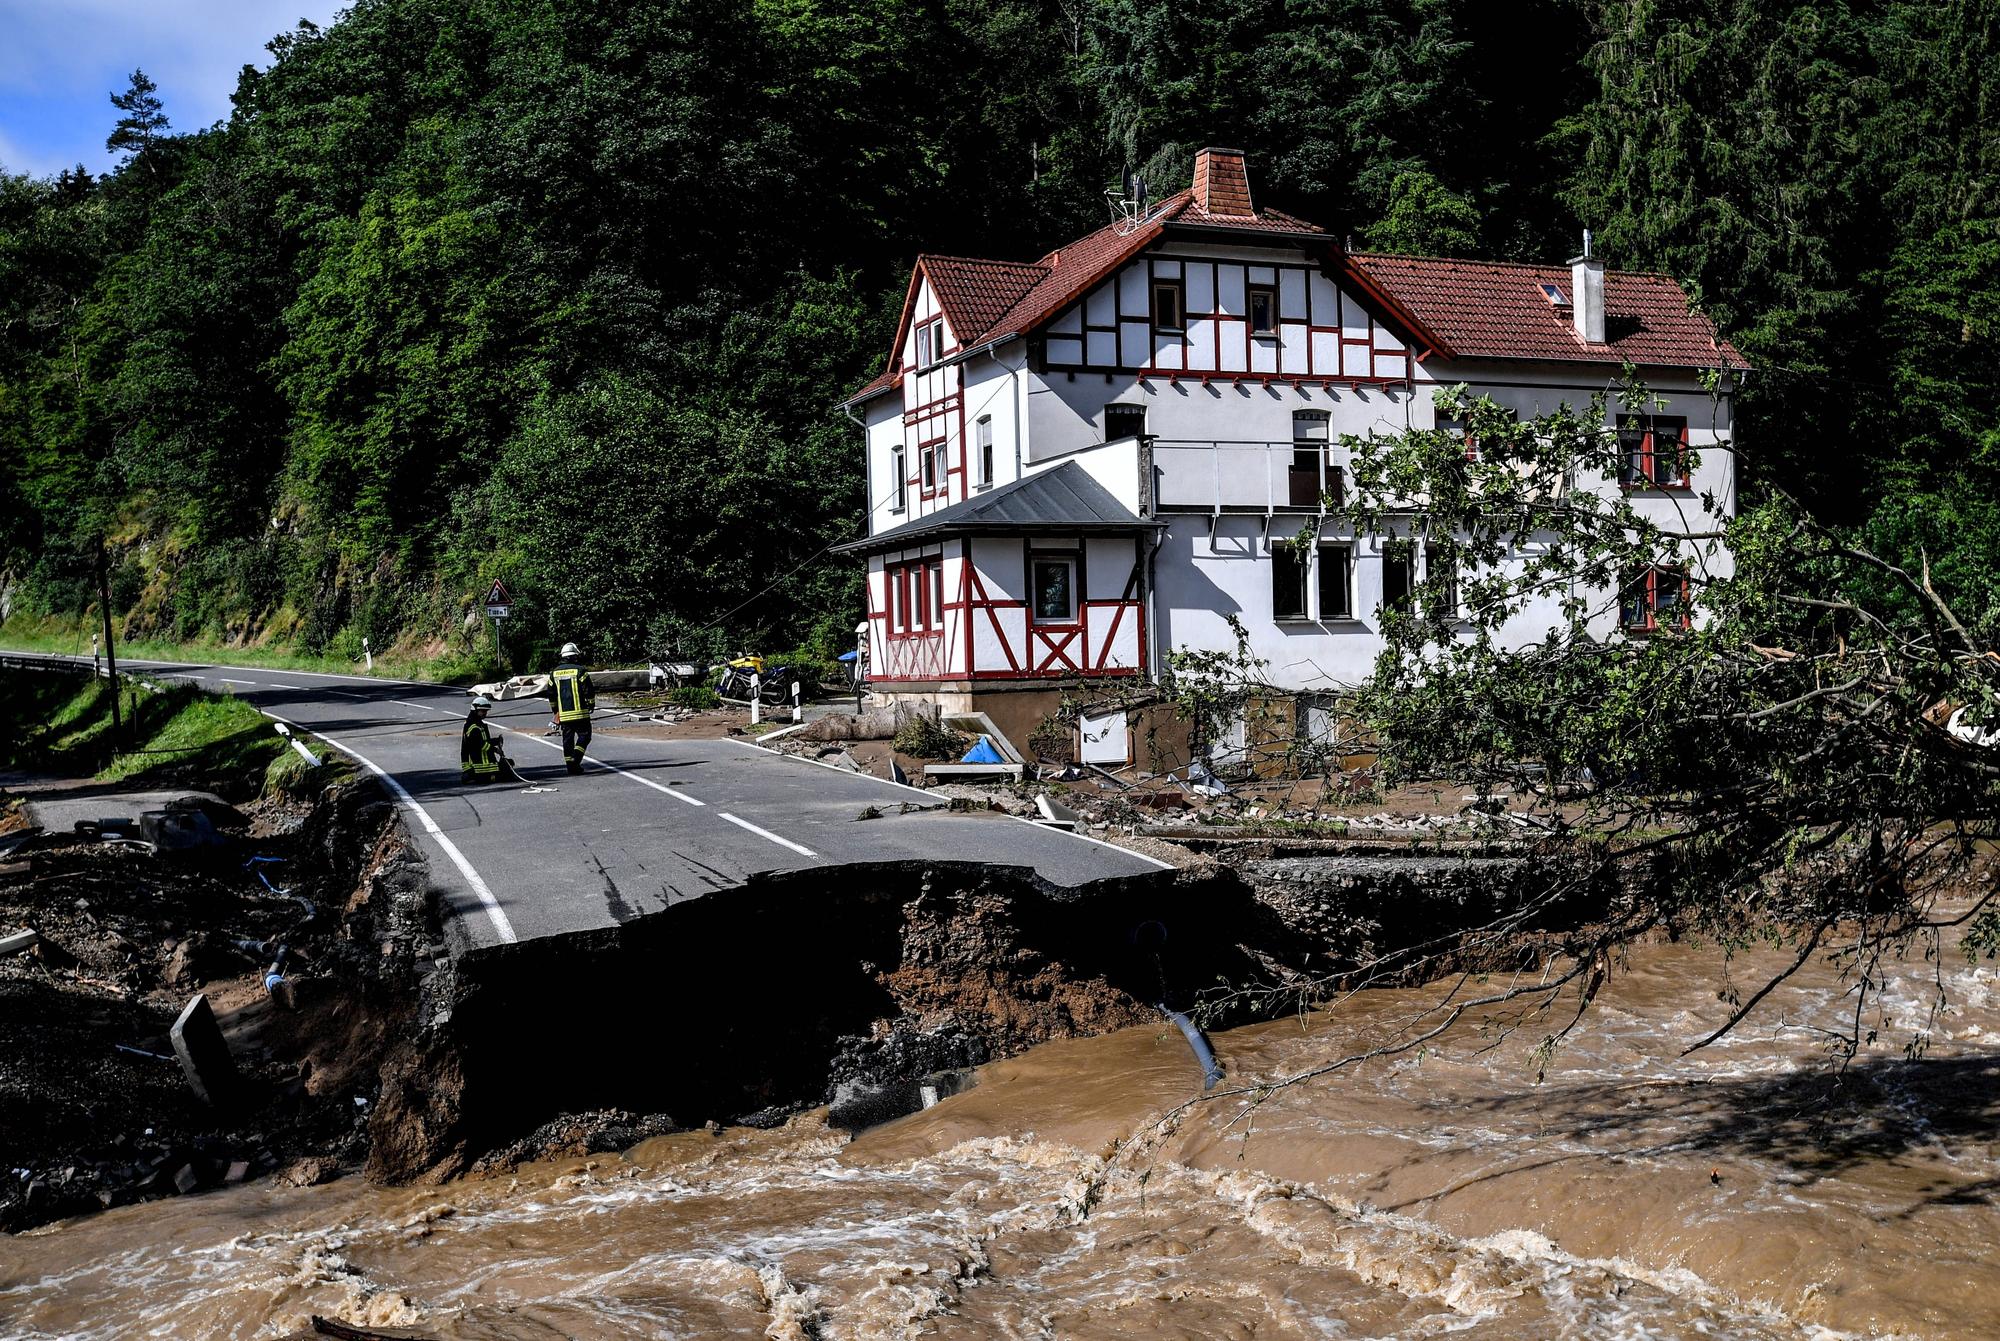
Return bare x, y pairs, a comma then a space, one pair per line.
1117, 317
1083, 647
912, 622
935, 423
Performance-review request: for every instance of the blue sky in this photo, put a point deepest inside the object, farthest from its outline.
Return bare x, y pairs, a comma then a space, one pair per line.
60, 61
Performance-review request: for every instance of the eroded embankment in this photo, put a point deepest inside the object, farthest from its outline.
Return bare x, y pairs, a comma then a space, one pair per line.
736, 1006
862, 986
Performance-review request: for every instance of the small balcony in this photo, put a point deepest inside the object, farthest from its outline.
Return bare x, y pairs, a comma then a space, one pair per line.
1259, 477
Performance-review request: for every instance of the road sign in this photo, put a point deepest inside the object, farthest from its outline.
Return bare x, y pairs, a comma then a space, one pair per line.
497, 594
499, 611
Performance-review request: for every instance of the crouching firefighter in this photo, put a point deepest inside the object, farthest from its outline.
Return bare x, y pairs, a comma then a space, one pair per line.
569, 690
480, 759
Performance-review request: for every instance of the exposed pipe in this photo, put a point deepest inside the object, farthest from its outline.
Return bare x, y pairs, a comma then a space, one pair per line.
1211, 1069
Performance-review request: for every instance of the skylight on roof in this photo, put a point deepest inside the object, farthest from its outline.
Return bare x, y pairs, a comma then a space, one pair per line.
1555, 295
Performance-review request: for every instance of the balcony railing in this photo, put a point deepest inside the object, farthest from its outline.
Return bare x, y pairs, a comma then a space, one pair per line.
1266, 477
1219, 475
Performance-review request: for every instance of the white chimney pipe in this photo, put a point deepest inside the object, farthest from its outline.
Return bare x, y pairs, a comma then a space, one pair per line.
1586, 294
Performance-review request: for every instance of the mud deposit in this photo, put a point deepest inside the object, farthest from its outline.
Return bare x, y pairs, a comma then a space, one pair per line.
94, 1109
1632, 1193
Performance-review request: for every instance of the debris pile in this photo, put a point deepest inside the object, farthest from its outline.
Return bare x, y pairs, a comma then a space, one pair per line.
192, 995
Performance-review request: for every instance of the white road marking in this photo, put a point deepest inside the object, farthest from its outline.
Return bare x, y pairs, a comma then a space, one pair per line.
494, 912
226, 680
818, 763
1085, 838
599, 763
937, 805
799, 848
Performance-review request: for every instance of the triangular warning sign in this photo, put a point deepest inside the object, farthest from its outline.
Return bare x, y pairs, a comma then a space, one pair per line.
497, 594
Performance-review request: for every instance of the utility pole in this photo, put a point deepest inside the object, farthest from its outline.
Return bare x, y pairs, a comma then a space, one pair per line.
110, 653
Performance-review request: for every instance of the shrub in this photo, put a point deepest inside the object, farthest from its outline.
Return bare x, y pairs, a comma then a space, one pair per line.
925, 737
695, 697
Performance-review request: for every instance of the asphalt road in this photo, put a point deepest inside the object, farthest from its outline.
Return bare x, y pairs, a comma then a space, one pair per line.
650, 823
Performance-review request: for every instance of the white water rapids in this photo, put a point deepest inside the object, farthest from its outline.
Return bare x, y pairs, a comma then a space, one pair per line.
1633, 1193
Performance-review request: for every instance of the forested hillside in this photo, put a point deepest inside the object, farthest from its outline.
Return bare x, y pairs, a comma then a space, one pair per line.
566, 293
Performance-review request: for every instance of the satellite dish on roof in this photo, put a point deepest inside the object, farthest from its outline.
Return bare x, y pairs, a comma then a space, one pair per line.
1128, 203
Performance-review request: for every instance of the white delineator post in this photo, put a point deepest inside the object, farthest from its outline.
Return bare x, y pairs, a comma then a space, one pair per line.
368, 654
756, 698
798, 702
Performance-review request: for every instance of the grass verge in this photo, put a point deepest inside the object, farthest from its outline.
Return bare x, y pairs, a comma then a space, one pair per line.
178, 735
70, 637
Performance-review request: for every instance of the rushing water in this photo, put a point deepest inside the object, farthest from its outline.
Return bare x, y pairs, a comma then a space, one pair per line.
1631, 1193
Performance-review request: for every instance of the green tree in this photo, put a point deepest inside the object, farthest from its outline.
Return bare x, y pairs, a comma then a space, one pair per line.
143, 123
1779, 766
1425, 218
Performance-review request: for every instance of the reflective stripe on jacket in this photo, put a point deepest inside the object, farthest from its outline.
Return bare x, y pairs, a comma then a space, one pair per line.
572, 693
477, 754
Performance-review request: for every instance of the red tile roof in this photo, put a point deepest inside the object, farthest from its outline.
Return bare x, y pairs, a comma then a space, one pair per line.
976, 293
1462, 309
1489, 309
987, 300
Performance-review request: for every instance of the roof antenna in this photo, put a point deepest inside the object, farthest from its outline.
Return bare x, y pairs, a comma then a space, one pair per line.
1128, 204
1586, 244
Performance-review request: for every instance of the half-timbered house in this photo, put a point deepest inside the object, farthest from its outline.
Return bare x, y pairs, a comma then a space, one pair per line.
1079, 464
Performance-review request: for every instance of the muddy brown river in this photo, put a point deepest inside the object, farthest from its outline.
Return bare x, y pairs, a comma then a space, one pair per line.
1632, 1193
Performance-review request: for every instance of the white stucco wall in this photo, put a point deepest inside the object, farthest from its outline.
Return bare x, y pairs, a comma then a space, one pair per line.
1205, 437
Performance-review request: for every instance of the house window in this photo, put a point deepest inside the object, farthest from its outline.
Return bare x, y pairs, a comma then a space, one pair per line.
1169, 311
1399, 562
1442, 572
1457, 428
915, 596
1336, 582
896, 597
1263, 309
899, 468
1307, 485
930, 457
1054, 581
930, 343
1124, 421
1654, 599
982, 441
1652, 451
1288, 582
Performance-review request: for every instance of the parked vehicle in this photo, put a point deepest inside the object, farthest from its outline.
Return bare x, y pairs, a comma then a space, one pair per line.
733, 680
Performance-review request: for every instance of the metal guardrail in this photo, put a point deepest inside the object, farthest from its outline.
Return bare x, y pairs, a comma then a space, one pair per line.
45, 662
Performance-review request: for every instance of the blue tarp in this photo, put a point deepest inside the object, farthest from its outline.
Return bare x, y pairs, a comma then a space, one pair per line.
982, 753
847, 656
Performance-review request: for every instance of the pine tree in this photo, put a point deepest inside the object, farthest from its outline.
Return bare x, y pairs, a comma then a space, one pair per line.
143, 121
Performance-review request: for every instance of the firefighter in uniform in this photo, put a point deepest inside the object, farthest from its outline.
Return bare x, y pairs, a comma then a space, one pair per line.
569, 690
480, 759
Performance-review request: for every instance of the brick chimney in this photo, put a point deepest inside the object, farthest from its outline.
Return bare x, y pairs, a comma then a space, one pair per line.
1221, 184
